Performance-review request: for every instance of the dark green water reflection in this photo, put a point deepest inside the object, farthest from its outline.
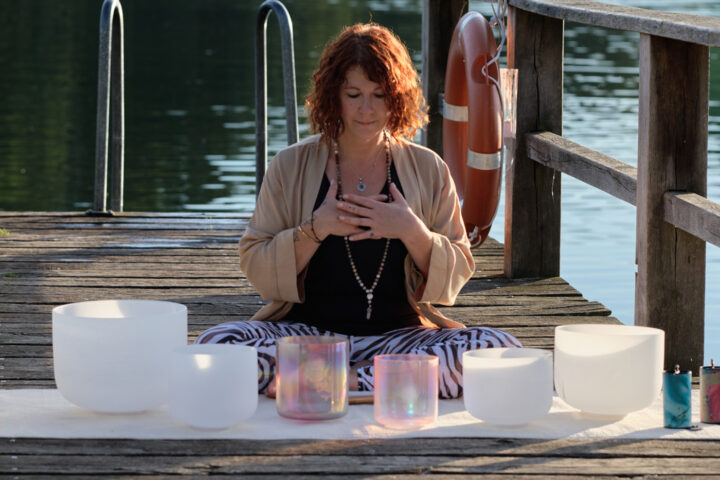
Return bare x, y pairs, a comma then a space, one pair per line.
189, 96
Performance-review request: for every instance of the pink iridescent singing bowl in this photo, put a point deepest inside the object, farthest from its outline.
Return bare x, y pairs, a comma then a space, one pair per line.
312, 377
406, 390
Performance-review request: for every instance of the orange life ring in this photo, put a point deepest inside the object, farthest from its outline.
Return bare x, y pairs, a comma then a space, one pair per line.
472, 123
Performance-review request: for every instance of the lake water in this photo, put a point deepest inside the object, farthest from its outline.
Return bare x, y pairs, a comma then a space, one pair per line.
190, 121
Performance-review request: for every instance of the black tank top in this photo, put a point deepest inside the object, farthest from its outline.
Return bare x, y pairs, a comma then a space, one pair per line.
333, 298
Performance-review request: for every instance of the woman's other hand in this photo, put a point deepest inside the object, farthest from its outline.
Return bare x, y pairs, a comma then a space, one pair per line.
389, 220
328, 216
377, 219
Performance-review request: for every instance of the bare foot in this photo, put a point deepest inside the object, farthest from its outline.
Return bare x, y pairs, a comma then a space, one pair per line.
353, 380
271, 389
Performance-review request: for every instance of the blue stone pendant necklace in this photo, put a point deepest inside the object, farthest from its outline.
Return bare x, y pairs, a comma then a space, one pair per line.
361, 187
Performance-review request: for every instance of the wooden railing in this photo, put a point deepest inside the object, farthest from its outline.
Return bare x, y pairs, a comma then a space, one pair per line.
669, 185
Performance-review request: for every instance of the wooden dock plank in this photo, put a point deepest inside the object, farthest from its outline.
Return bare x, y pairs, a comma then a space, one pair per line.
409, 446
341, 465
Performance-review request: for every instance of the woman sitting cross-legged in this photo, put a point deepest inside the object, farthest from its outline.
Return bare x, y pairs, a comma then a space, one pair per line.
357, 230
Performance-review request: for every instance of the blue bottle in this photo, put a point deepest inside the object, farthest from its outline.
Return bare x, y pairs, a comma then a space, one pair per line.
677, 395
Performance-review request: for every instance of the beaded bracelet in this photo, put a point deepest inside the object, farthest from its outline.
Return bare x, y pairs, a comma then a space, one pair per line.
306, 234
312, 227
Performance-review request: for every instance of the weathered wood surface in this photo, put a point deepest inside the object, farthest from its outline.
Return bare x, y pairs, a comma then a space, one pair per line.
44, 264
691, 212
678, 26
492, 458
594, 168
322, 465
532, 191
672, 155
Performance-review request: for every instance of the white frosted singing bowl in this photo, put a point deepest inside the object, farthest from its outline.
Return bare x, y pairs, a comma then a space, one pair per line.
113, 355
213, 386
507, 386
608, 369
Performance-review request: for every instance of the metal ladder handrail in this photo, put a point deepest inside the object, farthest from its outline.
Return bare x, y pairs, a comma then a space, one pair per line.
110, 62
288, 57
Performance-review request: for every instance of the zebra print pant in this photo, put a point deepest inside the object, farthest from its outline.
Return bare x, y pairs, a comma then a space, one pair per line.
447, 343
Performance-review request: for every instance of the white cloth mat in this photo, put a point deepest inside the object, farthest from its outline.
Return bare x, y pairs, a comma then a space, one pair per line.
45, 413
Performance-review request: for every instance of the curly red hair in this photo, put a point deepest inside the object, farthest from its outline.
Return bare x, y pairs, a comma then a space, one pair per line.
386, 61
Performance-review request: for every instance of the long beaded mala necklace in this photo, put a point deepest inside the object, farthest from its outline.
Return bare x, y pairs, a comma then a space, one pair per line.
368, 290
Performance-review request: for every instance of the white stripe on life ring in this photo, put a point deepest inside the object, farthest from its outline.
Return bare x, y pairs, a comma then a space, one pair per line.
456, 113
484, 161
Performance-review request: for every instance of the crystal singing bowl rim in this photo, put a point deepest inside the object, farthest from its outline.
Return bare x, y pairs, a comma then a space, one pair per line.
601, 339
410, 358
505, 357
303, 340
608, 330
118, 309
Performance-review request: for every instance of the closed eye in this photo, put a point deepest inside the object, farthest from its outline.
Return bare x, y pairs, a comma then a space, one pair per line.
357, 95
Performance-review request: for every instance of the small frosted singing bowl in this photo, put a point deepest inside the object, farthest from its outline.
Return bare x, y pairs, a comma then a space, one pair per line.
113, 355
406, 390
508, 386
312, 377
608, 369
213, 386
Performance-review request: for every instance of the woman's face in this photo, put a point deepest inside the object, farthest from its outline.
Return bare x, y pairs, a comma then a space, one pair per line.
363, 109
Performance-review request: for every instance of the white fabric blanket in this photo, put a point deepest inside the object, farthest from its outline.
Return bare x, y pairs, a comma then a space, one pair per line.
45, 413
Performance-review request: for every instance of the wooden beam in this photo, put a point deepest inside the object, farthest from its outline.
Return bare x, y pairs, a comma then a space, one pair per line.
672, 155
693, 213
678, 26
689, 211
532, 191
594, 168
439, 18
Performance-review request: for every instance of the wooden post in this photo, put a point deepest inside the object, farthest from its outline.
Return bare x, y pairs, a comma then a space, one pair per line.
672, 155
532, 191
439, 18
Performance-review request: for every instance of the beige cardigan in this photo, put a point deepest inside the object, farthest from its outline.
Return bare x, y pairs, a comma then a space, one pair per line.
287, 197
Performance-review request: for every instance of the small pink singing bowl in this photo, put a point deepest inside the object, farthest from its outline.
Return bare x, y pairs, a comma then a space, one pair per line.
406, 390
312, 377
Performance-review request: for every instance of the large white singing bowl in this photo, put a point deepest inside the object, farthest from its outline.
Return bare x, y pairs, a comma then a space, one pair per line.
113, 356
608, 369
507, 386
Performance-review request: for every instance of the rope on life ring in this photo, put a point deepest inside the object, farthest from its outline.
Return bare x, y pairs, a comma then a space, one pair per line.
473, 123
